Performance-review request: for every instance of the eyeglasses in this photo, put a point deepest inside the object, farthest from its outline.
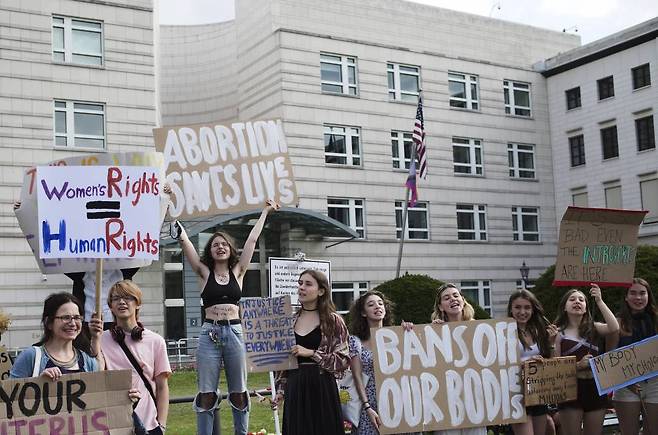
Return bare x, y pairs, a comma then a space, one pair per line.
114, 299
67, 318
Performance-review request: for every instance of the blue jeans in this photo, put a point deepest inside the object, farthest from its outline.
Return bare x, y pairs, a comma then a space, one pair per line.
228, 350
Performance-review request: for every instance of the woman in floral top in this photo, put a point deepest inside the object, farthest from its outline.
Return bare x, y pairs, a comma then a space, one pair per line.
312, 406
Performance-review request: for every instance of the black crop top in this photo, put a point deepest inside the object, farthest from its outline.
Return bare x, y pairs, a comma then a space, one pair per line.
214, 293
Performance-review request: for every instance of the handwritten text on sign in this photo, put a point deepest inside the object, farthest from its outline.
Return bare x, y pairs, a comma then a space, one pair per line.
98, 212
625, 366
81, 403
284, 275
453, 375
550, 380
5, 363
268, 331
226, 168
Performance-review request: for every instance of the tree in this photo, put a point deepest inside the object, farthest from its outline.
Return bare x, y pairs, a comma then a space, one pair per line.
413, 296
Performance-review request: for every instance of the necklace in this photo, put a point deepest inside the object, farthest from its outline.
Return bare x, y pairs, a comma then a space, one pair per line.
306, 309
65, 364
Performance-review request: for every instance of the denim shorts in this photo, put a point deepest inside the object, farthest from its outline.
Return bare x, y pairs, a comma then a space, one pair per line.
648, 392
229, 352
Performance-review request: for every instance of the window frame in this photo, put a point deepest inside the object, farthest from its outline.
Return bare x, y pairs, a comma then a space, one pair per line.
645, 75
397, 91
515, 169
349, 133
577, 159
519, 234
609, 188
352, 207
424, 208
605, 87
70, 135
345, 63
468, 80
474, 147
648, 137
511, 107
478, 213
483, 288
577, 195
358, 288
399, 140
606, 135
573, 100
68, 27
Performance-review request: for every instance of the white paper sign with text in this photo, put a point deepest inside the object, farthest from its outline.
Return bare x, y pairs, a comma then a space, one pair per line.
284, 274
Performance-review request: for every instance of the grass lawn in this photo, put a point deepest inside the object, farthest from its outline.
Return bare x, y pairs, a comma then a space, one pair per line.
182, 418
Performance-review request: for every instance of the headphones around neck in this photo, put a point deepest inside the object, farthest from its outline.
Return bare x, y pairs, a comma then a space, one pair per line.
119, 335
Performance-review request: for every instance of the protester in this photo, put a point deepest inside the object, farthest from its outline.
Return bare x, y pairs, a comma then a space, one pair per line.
128, 345
371, 310
536, 340
638, 319
311, 403
579, 336
450, 306
221, 271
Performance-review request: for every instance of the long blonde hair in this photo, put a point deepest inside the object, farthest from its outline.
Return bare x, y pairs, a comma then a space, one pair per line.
468, 312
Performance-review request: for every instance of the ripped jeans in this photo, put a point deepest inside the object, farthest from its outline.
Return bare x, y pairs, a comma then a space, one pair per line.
228, 348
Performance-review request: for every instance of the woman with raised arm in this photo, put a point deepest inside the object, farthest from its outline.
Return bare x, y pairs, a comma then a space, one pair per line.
221, 272
579, 336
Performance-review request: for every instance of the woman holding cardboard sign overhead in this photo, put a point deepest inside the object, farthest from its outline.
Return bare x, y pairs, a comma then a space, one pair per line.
221, 271
579, 336
638, 319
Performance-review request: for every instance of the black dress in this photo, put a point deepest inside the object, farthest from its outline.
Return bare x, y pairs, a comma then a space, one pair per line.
311, 405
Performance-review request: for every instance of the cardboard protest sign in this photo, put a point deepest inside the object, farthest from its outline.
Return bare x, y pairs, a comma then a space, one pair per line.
5, 364
215, 168
284, 274
83, 403
98, 212
28, 217
448, 376
627, 365
550, 380
268, 333
597, 245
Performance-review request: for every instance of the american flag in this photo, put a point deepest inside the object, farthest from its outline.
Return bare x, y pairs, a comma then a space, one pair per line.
419, 139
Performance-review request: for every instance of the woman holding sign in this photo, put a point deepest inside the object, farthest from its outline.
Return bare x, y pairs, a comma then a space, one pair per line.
311, 403
536, 340
579, 336
638, 320
221, 271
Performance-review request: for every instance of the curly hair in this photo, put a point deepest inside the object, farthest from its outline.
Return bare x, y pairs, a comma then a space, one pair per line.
359, 323
626, 320
326, 307
537, 323
586, 328
206, 255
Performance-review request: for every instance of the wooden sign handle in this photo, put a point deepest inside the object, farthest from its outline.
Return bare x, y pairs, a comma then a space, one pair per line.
99, 284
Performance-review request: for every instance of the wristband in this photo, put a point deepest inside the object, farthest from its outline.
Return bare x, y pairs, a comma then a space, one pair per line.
366, 405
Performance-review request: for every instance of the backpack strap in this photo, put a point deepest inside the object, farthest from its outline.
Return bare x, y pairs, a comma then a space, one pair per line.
37, 361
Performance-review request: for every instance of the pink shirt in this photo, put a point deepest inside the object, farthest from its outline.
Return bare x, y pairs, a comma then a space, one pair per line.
151, 352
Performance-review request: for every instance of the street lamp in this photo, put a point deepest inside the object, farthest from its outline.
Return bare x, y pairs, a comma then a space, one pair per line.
525, 270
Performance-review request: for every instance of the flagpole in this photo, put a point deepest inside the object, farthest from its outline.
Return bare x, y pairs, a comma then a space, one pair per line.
405, 212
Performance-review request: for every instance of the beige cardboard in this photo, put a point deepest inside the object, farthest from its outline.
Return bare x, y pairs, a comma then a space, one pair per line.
215, 169
448, 376
550, 380
268, 333
89, 403
625, 366
5, 364
28, 218
597, 246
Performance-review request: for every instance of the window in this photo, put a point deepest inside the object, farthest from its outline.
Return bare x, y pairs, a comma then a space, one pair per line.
529, 284
577, 148
467, 156
525, 224
401, 146
341, 145
77, 41
463, 90
579, 198
606, 87
344, 293
613, 196
471, 222
478, 292
79, 125
517, 98
349, 211
521, 160
646, 139
403, 82
573, 98
649, 192
416, 228
609, 142
641, 76
338, 74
